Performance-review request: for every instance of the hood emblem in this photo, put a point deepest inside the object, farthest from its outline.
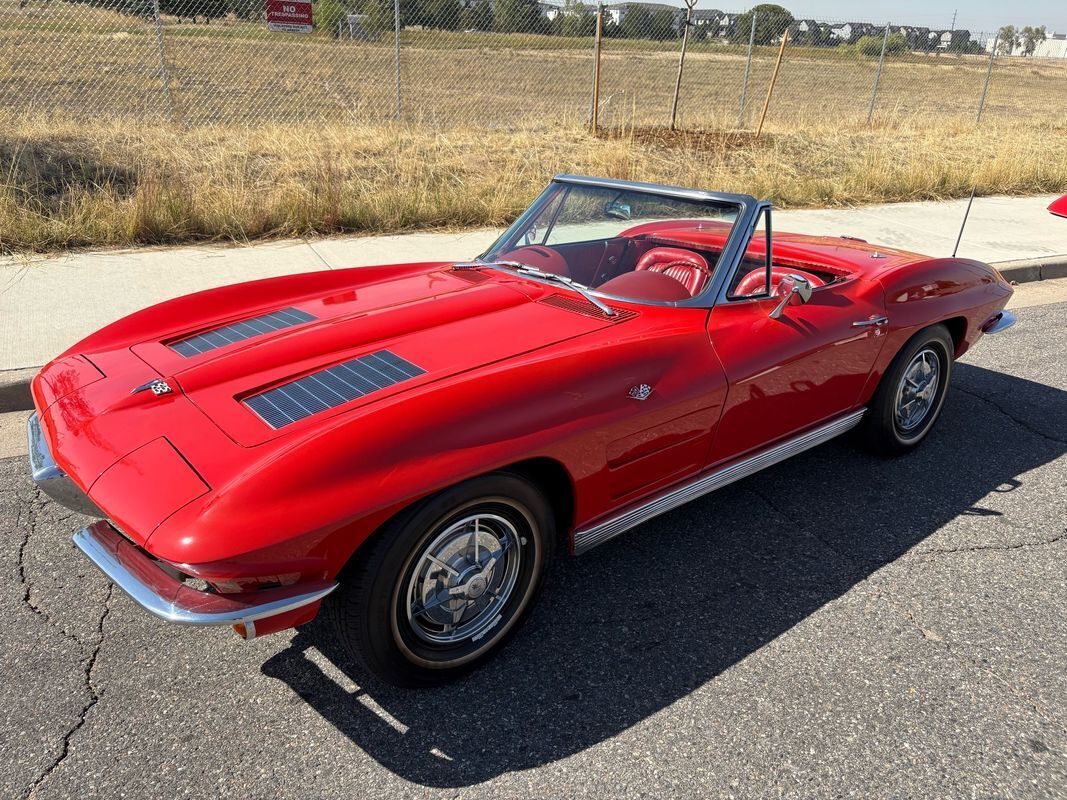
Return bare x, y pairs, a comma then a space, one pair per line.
640, 392
157, 385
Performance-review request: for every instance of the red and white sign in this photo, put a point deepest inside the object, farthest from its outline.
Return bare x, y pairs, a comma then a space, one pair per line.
286, 16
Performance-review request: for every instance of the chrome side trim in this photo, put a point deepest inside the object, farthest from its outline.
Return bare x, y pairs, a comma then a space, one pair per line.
163, 595
587, 538
48, 476
1001, 322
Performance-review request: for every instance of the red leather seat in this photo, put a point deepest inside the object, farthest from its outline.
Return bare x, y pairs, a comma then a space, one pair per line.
688, 268
753, 282
646, 285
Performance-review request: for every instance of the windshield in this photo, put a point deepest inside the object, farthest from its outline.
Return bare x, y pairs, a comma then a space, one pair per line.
624, 243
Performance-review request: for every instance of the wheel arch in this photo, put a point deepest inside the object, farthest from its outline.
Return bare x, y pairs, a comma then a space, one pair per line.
553, 479
549, 475
957, 329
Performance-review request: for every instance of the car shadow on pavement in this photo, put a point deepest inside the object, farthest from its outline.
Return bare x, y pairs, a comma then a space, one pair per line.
640, 622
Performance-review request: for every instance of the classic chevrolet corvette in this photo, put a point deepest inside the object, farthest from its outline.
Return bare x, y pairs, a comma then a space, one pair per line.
417, 439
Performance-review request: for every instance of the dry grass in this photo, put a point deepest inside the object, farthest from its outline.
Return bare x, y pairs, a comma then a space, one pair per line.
287, 135
64, 183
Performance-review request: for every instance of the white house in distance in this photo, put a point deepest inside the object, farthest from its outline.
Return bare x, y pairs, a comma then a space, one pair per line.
1054, 46
549, 9
616, 12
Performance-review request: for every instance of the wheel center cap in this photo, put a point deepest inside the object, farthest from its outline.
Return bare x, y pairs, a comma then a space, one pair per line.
476, 587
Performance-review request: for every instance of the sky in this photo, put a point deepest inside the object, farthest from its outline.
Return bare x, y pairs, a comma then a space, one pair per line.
975, 15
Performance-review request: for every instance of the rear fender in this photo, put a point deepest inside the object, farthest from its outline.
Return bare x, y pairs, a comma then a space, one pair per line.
934, 291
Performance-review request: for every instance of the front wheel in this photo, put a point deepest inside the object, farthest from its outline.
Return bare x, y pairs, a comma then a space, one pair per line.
441, 587
910, 395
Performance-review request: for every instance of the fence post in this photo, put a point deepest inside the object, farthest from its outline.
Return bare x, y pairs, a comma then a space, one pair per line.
748, 69
985, 86
164, 73
594, 106
774, 80
878, 75
681, 59
396, 41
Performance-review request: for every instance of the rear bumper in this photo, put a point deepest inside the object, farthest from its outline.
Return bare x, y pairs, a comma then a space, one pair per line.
52, 480
158, 592
1000, 322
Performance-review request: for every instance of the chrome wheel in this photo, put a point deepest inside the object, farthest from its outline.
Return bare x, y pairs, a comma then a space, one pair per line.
463, 579
917, 392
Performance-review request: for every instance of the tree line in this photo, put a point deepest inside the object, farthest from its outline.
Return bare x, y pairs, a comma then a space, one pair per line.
575, 18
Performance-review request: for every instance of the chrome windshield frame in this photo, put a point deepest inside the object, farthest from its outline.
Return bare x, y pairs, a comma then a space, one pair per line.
732, 253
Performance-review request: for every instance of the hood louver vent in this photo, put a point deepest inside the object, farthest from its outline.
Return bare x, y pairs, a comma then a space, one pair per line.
331, 387
471, 276
239, 331
588, 309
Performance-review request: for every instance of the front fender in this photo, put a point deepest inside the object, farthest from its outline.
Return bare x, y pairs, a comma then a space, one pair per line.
321, 495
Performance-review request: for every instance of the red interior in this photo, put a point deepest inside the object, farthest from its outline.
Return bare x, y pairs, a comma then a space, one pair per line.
753, 282
646, 285
682, 254
687, 267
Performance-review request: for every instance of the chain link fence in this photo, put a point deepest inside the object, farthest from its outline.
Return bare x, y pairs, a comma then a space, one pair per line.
510, 63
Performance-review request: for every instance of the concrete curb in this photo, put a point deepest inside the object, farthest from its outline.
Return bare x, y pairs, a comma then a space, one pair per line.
1033, 269
15, 389
15, 383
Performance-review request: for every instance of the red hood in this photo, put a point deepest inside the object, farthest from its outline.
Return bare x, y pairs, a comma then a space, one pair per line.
436, 320
103, 434
1059, 207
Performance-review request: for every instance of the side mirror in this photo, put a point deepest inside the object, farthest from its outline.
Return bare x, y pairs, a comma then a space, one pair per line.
618, 210
789, 287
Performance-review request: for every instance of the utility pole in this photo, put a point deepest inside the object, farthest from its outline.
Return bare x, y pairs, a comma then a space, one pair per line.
952, 28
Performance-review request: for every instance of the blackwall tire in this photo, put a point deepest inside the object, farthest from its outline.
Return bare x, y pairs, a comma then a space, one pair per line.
910, 395
441, 587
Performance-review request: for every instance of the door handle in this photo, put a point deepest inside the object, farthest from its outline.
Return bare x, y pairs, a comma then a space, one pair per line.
872, 322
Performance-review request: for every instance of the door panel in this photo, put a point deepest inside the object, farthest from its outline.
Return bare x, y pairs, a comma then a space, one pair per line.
665, 393
789, 373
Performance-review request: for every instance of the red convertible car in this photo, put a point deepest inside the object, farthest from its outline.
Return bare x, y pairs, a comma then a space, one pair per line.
416, 440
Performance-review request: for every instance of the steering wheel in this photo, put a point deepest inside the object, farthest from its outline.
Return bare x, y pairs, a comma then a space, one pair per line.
544, 258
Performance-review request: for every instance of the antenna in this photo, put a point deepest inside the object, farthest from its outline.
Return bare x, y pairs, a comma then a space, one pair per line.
966, 214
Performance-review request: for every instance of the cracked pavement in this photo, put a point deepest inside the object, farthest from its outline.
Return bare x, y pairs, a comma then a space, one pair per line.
835, 626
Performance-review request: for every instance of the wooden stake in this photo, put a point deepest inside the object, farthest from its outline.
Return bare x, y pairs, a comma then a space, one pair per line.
681, 60
774, 79
596, 69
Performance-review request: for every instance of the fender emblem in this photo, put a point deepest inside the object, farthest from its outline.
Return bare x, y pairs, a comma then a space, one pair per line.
640, 392
158, 387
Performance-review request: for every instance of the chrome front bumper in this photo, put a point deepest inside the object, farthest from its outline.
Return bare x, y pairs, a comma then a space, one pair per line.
159, 592
150, 585
52, 480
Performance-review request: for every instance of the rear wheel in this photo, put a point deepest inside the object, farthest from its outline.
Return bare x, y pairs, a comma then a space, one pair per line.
440, 588
911, 393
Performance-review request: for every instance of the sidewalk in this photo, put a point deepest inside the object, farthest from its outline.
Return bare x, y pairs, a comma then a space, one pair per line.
46, 304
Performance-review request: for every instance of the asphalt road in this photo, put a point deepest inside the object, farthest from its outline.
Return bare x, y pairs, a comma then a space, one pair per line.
835, 626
